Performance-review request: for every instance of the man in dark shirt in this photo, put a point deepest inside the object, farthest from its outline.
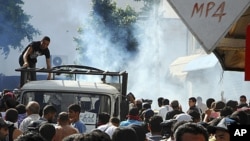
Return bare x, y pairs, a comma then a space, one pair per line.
28, 58
176, 110
192, 105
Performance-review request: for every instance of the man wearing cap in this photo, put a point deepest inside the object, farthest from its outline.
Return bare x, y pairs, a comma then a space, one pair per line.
221, 129
4, 129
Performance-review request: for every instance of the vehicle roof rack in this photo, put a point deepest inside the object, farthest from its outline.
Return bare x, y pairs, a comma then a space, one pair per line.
76, 70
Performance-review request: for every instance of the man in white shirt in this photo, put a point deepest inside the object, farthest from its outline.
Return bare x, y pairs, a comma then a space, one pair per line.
32, 111
165, 108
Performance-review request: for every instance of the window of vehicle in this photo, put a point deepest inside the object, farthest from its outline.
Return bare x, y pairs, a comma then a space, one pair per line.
89, 102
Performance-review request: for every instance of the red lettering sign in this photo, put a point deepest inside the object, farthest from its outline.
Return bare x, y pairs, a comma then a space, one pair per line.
210, 9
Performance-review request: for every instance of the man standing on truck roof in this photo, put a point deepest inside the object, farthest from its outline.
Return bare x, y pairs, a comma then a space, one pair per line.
28, 58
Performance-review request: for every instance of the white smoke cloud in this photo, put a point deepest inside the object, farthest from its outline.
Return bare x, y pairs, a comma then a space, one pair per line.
162, 41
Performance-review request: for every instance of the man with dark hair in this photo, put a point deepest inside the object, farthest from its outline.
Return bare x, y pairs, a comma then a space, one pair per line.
159, 100
124, 134
30, 137
28, 58
103, 119
74, 111
155, 128
176, 110
191, 131
21, 113
114, 123
192, 105
94, 135
11, 116
132, 118
49, 113
47, 131
131, 99
221, 130
165, 108
243, 101
63, 127
48, 116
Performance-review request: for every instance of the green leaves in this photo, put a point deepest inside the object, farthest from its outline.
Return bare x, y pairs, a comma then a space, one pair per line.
14, 26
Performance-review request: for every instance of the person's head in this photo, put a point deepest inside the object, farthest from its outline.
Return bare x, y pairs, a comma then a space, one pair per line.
165, 101
11, 115
31, 136
74, 111
47, 131
140, 131
167, 128
8, 100
209, 102
32, 107
233, 104
49, 113
94, 135
154, 125
174, 104
4, 130
159, 100
199, 99
45, 42
138, 103
21, 109
192, 101
103, 118
146, 105
241, 117
130, 97
226, 111
147, 114
221, 129
124, 134
72, 137
243, 99
191, 131
63, 118
115, 121
219, 105
196, 116
133, 113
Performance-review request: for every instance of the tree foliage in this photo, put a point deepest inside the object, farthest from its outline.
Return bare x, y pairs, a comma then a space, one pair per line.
117, 22
148, 6
14, 26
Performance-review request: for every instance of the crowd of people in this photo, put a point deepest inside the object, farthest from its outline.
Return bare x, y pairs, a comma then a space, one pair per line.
208, 121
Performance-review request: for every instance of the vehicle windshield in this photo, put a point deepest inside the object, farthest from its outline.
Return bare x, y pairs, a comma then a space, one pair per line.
91, 104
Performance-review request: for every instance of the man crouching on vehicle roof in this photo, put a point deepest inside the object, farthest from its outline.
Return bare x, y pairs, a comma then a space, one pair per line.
28, 58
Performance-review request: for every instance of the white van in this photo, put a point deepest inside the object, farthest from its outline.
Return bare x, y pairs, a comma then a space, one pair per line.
93, 97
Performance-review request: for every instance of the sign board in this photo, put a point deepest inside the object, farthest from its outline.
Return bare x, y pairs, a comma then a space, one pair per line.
88, 117
209, 20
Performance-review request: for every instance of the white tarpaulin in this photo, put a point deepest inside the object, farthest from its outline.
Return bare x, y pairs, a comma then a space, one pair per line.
201, 62
182, 65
